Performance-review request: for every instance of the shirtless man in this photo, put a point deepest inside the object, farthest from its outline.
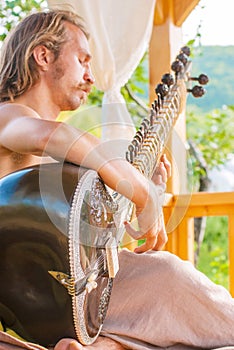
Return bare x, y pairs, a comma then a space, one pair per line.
45, 69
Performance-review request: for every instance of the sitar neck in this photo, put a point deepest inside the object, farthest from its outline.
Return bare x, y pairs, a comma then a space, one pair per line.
148, 144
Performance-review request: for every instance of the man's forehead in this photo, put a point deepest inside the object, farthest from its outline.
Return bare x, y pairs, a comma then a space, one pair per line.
77, 38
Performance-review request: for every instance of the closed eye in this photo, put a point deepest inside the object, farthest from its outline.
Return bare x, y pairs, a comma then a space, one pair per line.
84, 58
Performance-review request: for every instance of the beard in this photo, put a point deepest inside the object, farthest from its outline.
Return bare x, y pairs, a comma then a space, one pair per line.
74, 95
59, 71
67, 98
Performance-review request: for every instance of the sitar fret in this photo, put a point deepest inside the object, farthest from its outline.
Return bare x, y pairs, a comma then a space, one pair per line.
146, 149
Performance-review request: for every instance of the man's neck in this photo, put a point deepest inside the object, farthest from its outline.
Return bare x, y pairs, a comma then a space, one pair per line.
36, 99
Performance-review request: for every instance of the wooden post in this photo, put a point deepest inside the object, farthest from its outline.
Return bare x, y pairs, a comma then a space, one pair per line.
165, 45
231, 252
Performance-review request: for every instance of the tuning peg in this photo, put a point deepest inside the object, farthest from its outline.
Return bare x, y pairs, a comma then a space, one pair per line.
202, 79
182, 57
152, 116
145, 124
162, 90
143, 128
130, 153
139, 136
177, 66
186, 50
155, 106
168, 79
197, 91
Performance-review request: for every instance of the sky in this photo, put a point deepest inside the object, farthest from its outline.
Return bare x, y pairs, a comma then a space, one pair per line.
216, 18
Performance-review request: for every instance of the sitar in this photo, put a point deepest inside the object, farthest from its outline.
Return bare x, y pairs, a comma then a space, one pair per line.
61, 228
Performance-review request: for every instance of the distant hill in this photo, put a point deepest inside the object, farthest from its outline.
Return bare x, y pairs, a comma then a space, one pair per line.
218, 63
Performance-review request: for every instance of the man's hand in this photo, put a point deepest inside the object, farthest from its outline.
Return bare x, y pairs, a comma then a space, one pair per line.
150, 218
162, 172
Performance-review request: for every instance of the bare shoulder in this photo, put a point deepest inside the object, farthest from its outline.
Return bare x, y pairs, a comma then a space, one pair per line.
10, 111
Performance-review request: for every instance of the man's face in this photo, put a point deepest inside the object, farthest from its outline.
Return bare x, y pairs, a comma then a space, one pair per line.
70, 75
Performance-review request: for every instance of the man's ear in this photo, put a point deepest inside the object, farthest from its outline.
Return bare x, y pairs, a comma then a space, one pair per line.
43, 57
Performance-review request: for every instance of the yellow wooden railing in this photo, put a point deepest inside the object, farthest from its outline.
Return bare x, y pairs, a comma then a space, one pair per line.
180, 211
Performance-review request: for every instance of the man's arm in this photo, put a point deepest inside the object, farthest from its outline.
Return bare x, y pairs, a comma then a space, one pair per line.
31, 135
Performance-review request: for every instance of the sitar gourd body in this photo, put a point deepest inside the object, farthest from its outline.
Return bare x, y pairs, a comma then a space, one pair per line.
56, 222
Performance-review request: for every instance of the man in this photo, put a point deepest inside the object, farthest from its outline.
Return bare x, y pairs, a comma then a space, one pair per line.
57, 72
157, 300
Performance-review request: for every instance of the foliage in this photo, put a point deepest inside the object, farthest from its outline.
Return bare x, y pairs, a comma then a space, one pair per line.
95, 97
135, 91
216, 62
138, 80
212, 134
12, 11
213, 257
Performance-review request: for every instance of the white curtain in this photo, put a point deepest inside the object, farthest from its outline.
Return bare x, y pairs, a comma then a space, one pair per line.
120, 32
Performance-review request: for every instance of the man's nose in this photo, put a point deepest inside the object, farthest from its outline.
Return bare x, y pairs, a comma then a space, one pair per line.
88, 76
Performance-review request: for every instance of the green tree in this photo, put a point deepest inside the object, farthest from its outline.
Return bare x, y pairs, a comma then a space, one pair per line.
212, 134
12, 11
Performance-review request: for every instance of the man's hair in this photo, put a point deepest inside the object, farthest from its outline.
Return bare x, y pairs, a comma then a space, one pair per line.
18, 69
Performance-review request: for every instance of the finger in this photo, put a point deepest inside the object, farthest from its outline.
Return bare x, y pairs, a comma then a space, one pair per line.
149, 244
157, 179
132, 232
163, 172
162, 239
160, 244
167, 165
160, 174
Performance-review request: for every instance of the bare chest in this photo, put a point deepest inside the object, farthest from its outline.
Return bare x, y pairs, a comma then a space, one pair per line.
12, 161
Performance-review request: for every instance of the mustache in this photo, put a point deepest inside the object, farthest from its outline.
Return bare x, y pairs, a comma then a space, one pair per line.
85, 87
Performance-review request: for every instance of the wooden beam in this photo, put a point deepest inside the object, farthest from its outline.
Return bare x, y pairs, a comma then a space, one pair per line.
163, 11
182, 9
176, 10
206, 199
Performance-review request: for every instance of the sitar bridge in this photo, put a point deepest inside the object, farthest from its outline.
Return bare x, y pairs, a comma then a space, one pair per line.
74, 288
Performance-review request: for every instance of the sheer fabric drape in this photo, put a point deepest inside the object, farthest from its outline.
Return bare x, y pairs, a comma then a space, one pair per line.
120, 32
